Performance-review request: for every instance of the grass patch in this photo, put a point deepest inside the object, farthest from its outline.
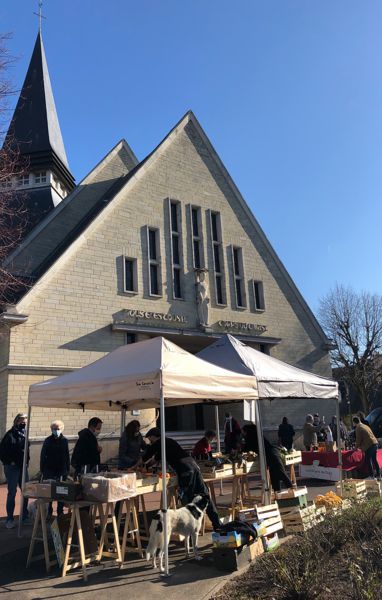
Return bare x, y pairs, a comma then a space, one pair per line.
339, 559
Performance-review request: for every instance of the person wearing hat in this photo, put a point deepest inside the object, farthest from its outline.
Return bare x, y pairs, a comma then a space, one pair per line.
54, 458
190, 479
12, 448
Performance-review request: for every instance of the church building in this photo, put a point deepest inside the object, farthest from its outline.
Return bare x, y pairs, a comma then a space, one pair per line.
139, 248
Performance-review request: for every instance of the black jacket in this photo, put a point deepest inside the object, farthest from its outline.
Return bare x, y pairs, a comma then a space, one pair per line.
176, 457
54, 458
12, 448
85, 451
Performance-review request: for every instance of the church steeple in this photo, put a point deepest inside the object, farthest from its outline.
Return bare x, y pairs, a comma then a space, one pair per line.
35, 130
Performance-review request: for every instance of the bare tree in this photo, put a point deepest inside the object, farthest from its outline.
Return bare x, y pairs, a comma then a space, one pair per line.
12, 207
354, 322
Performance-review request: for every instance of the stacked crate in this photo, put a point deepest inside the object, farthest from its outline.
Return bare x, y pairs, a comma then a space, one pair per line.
373, 488
212, 470
352, 489
292, 458
267, 522
294, 510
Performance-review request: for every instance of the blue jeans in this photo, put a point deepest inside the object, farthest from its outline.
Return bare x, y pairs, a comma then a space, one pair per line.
13, 474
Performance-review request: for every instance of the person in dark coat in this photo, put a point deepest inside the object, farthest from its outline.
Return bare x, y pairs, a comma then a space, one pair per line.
12, 448
131, 446
286, 434
276, 467
87, 451
190, 479
54, 459
232, 434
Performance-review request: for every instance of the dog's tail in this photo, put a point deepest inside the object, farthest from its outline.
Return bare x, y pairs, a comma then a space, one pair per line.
156, 529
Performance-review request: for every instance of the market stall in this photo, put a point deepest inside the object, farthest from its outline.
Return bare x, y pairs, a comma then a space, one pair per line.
151, 374
275, 379
325, 465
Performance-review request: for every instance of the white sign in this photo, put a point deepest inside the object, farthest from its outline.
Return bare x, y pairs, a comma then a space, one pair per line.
317, 472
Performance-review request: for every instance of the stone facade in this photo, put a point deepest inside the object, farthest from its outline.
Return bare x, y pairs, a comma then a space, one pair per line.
76, 308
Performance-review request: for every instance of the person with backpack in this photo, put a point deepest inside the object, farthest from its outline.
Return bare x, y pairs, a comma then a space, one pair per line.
12, 448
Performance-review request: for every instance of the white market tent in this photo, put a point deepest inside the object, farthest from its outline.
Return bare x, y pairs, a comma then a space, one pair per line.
275, 379
148, 374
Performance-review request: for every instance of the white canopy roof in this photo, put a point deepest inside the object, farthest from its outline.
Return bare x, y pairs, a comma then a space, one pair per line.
132, 376
275, 379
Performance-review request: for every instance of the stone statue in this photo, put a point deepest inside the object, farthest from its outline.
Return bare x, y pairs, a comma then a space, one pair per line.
202, 298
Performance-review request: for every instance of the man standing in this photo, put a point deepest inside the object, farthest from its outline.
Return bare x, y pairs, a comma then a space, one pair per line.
309, 433
366, 441
54, 458
12, 450
232, 434
87, 451
286, 434
190, 479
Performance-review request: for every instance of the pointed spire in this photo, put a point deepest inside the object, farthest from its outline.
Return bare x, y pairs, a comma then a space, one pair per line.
35, 125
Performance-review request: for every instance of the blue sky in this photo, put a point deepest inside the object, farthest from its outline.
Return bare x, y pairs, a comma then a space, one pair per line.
288, 91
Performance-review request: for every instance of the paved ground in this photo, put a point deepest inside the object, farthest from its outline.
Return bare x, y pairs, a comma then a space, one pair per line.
189, 580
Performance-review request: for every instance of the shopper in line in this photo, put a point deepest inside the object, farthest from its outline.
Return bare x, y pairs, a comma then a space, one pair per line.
86, 453
276, 467
286, 434
366, 441
54, 459
131, 446
12, 448
203, 449
309, 433
190, 479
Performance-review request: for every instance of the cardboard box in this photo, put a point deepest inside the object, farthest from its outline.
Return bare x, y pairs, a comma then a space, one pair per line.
231, 559
35, 489
231, 539
69, 491
109, 487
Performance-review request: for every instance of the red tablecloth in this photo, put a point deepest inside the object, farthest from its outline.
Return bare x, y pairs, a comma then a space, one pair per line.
351, 459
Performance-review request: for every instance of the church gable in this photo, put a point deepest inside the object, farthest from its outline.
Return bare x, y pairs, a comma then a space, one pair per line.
140, 260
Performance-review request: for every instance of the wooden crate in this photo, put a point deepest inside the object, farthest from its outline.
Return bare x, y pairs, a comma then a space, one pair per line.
354, 489
373, 488
299, 520
270, 515
292, 458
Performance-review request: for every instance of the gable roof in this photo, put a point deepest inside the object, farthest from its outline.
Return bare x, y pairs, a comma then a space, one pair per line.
49, 239
142, 167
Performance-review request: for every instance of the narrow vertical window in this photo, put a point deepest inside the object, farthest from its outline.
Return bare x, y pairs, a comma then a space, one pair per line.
217, 252
197, 251
154, 264
176, 251
130, 275
238, 276
258, 295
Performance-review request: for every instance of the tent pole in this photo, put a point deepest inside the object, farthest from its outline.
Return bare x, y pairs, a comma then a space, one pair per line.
218, 445
123, 419
24, 471
339, 441
164, 480
263, 464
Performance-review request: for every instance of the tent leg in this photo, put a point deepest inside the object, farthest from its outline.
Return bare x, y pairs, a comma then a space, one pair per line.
218, 445
263, 464
164, 481
24, 471
339, 441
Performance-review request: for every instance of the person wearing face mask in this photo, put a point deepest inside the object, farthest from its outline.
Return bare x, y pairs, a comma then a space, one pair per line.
12, 449
131, 446
87, 451
54, 459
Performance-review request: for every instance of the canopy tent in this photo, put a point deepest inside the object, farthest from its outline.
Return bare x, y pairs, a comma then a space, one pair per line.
148, 374
136, 375
275, 379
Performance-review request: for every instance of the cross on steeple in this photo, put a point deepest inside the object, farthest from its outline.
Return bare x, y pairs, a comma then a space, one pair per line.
39, 15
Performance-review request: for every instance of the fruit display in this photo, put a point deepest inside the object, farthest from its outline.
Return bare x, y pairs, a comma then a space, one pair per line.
330, 500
